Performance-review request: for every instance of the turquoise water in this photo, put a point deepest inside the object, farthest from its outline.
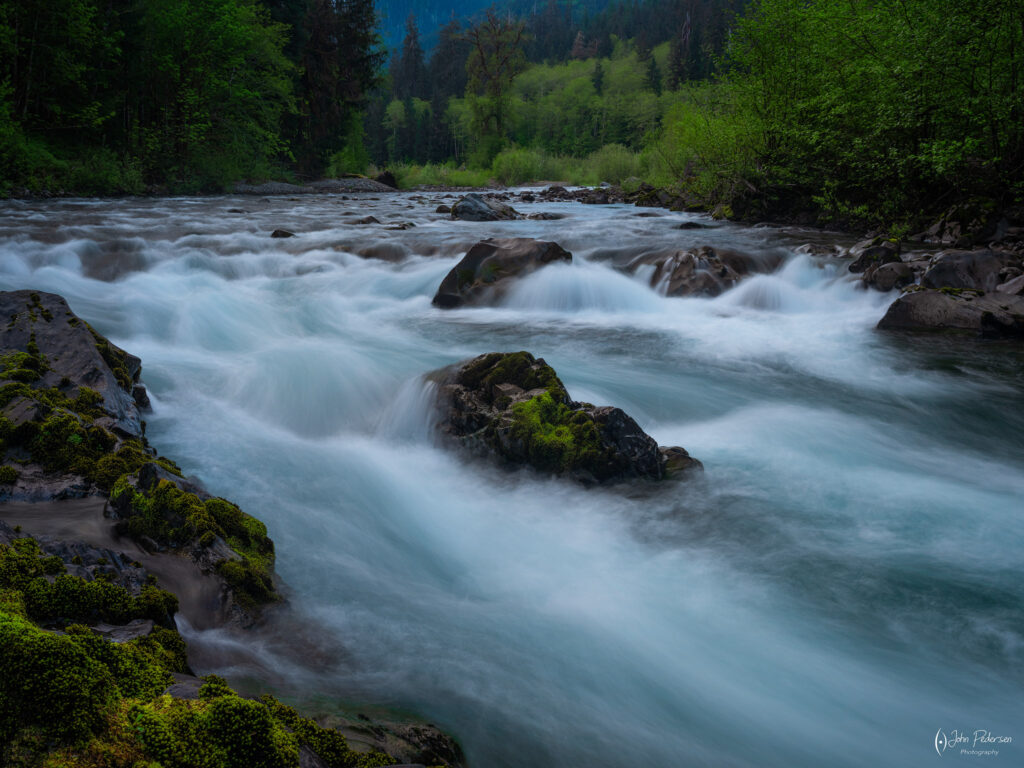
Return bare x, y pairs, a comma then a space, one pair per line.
843, 582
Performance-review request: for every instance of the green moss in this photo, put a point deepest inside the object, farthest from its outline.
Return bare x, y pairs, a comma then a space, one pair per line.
967, 293
23, 366
70, 599
116, 358
51, 683
557, 438
518, 368
173, 517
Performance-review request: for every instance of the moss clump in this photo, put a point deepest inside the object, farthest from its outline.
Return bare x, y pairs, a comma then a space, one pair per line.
23, 366
223, 730
557, 438
49, 594
115, 358
519, 368
78, 699
173, 517
8, 475
66, 440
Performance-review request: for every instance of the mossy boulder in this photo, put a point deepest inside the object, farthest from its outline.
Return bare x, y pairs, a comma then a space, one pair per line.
491, 266
47, 339
513, 406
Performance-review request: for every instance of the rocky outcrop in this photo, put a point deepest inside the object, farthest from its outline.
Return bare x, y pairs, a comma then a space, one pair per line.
873, 253
702, 271
980, 270
514, 408
71, 428
490, 266
476, 207
996, 315
58, 350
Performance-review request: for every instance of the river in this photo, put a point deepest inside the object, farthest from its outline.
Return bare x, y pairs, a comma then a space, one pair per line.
845, 581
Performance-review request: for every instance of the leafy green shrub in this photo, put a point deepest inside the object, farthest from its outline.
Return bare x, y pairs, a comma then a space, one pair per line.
614, 163
8, 475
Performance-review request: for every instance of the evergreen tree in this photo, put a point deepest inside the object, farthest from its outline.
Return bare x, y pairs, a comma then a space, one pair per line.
409, 73
652, 78
597, 78
340, 63
495, 58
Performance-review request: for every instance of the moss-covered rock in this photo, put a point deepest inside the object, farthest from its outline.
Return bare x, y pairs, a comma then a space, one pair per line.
514, 406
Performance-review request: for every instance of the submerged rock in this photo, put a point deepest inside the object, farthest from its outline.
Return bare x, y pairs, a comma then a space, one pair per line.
475, 207
489, 267
515, 408
992, 315
702, 271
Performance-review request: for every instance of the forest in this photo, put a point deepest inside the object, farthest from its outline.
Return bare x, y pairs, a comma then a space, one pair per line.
851, 109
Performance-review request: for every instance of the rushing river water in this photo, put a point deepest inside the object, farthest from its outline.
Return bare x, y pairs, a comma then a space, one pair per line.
843, 582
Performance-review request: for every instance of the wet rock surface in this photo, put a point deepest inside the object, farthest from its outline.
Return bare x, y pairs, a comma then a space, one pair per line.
514, 408
703, 271
995, 315
488, 269
476, 207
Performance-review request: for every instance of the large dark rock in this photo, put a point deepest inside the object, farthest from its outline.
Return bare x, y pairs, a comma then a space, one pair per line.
703, 271
980, 270
475, 207
75, 355
891, 275
387, 178
874, 256
992, 315
489, 267
965, 224
515, 408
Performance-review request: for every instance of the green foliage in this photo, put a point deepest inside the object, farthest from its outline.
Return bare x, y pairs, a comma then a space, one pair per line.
614, 163
173, 517
860, 103
8, 475
495, 58
67, 598
223, 730
446, 175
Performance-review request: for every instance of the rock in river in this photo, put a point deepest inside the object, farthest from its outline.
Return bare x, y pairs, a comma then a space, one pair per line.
996, 315
513, 407
702, 271
475, 207
490, 266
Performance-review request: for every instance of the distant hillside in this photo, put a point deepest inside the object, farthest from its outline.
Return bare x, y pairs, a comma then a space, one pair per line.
431, 15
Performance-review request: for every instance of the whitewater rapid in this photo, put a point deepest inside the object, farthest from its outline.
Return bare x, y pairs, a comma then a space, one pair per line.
844, 581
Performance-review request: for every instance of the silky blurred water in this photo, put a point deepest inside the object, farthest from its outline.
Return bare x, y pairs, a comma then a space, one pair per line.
844, 581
